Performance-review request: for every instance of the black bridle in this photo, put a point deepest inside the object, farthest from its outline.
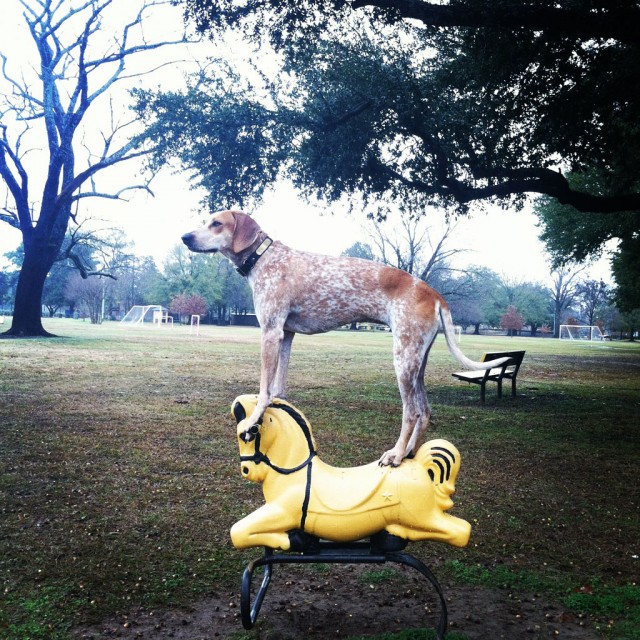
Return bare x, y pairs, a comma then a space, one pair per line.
259, 457
252, 434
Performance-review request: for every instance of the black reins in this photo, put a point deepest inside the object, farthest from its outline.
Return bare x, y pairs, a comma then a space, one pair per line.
258, 457
253, 434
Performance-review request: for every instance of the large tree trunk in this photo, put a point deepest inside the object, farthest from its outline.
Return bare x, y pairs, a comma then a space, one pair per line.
27, 314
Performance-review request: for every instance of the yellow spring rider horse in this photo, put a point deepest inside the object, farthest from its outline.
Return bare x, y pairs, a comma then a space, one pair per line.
303, 494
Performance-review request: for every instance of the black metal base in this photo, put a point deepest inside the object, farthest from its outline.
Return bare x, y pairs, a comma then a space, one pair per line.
379, 549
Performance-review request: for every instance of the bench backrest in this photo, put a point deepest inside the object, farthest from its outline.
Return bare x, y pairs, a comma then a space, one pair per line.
516, 357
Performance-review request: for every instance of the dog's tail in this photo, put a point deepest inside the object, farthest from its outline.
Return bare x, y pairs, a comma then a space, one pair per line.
450, 337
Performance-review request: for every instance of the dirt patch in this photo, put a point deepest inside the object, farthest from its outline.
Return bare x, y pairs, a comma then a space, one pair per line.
345, 601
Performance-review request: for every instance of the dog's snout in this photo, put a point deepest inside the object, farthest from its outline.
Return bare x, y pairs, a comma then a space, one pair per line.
187, 238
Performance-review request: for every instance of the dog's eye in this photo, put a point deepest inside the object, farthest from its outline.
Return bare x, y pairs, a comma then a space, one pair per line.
216, 223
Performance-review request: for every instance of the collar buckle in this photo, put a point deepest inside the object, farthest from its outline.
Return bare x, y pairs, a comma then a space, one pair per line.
245, 268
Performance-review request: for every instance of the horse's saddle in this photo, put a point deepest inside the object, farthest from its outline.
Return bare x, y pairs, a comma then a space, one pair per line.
353, 490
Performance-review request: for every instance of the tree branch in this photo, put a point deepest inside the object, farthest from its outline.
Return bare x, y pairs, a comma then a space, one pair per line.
621, 25
112, 196
10, 218
513, 182
84, 272
19, 190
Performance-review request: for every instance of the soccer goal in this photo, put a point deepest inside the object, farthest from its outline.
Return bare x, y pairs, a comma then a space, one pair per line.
587, 332
139, 314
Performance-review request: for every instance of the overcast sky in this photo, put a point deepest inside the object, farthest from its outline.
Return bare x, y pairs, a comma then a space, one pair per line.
505, 241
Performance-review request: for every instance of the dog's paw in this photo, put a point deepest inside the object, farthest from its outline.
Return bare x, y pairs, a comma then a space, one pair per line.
390, 458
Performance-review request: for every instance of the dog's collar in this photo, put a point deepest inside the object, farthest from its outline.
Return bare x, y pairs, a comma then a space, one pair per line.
245, 268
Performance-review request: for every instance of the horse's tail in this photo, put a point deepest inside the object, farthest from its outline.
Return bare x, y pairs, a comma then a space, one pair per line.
450, 337
442, 461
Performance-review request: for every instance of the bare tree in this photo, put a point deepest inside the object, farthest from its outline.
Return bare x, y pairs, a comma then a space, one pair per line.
413, 246
88, 294
79, 62
563, 293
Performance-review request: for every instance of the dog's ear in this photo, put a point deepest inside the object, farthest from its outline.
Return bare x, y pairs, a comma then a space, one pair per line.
246, 231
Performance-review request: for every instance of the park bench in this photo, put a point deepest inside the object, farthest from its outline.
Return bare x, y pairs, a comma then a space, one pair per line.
508, 370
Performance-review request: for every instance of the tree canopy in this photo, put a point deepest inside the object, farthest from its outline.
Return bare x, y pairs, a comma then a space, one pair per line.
572, 236
475, 100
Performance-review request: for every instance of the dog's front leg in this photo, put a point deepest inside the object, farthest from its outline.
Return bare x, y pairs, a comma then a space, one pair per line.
270, 351
279, 386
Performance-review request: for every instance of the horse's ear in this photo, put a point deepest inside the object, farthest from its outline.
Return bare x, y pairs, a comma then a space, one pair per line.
239, 412
245, 233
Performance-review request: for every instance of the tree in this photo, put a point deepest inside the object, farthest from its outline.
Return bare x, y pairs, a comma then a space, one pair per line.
535, 305
210, 276
78, 64
625, 265
512, 321
573, 237
593, 296
87, 293
471, 101
139, 282
616, 21
408, 242
54, 295
7, 285
479, 298
360, 250
631, 322
414, 246
563, 293
188, 305
9, 276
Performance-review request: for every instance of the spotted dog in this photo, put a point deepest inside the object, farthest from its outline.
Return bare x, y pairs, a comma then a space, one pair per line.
300, 292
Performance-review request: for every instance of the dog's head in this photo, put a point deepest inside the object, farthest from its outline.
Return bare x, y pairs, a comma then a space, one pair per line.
229, 232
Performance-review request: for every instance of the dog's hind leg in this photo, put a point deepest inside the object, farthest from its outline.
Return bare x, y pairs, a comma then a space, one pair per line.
423, 407
410, 360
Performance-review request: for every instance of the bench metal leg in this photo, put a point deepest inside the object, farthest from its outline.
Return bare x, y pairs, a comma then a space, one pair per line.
482, 392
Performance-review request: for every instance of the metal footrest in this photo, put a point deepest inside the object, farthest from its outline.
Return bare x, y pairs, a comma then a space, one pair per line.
306, 549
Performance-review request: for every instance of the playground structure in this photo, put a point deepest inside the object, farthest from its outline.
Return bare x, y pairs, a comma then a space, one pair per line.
323, 514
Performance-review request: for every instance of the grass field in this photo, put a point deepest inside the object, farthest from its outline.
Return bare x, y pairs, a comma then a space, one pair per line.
119, 477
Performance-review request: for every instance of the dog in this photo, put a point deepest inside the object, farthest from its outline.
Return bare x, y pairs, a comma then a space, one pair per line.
300, 292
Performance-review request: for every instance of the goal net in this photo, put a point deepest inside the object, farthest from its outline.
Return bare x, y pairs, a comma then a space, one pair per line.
140, 314
591, 333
